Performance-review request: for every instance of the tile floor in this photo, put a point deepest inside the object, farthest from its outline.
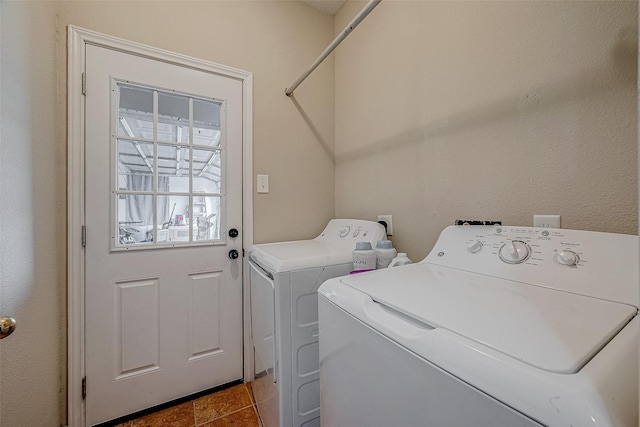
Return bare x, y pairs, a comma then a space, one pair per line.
232, 407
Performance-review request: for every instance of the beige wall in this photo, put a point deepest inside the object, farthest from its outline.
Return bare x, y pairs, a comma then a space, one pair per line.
488, 110
293, 143
32, 219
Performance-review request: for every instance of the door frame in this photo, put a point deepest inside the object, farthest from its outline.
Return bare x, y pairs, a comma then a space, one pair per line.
77, 39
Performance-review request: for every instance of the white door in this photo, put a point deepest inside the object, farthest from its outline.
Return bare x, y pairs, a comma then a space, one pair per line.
163, 189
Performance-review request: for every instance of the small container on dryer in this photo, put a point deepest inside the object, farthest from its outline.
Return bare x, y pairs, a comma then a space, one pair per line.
364, 257
401, 259
385, 253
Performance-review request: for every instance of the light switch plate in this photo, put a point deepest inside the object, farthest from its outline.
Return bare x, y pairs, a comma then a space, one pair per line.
263, 183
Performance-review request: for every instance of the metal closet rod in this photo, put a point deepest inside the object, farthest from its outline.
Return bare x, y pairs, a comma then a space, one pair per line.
352, 25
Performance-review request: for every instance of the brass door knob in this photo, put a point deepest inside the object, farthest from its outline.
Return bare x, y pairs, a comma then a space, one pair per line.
7, 326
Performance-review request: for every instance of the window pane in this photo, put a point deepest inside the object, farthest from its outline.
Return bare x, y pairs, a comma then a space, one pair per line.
135, 220
135, 112
206, 215
206, 171
135, 166
173, 219
173, 169
206, 123
157, 133
173, 117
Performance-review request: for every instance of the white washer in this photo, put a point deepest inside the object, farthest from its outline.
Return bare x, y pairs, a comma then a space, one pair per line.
285, 278
497, 326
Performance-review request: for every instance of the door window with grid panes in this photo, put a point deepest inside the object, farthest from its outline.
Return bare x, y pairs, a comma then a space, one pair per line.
169, 174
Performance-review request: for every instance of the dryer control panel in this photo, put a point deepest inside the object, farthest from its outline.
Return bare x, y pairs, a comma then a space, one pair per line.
602, 265
346, 232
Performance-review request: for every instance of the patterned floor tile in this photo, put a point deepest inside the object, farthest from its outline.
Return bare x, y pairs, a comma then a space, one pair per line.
222, 403
176, 416
246, 417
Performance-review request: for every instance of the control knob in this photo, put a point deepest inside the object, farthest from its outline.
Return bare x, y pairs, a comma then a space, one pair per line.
514, 252
474, 247
344, 231
567, 258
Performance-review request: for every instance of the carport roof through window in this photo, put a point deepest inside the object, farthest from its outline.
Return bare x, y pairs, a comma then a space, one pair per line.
170, 166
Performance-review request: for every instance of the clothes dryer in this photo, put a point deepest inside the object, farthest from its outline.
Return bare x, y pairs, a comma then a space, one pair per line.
497, 326
285, 278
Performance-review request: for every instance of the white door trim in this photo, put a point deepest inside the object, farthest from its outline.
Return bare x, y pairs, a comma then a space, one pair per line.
77, 38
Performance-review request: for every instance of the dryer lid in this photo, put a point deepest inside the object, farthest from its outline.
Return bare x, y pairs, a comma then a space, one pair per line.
549, 329
332, 247
298, 255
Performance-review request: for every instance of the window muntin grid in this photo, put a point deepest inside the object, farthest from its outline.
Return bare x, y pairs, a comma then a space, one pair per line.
169, 175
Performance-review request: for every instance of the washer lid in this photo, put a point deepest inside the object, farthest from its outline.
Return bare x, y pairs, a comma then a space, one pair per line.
298, 255
549, 329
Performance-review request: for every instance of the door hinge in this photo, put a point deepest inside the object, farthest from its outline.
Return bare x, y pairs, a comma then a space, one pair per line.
84, 236
84, 388
84, 83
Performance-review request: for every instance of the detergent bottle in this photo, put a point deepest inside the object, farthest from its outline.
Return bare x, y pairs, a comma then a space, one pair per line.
385, 253
401, 259
364, 257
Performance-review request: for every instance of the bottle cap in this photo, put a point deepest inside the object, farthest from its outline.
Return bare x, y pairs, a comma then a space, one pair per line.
363, 246
384, 244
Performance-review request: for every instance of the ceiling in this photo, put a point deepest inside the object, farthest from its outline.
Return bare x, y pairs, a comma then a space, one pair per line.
330, 7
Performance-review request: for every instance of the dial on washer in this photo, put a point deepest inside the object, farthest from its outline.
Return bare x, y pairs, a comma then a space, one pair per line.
567, 258
514, 252
475, 246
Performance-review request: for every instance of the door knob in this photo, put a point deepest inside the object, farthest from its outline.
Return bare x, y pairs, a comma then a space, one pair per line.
7, 326
233, 254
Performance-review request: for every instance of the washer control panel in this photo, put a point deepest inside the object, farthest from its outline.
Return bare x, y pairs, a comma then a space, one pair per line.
517, 245
599, 264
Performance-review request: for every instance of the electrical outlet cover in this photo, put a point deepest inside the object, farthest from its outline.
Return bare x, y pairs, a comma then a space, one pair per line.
388, 219
547, 221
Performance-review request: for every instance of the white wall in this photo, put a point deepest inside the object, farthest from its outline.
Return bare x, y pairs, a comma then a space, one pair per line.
488, 110
275, 40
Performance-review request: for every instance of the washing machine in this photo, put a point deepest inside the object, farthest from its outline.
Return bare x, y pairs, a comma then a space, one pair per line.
498, 327
285, 278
